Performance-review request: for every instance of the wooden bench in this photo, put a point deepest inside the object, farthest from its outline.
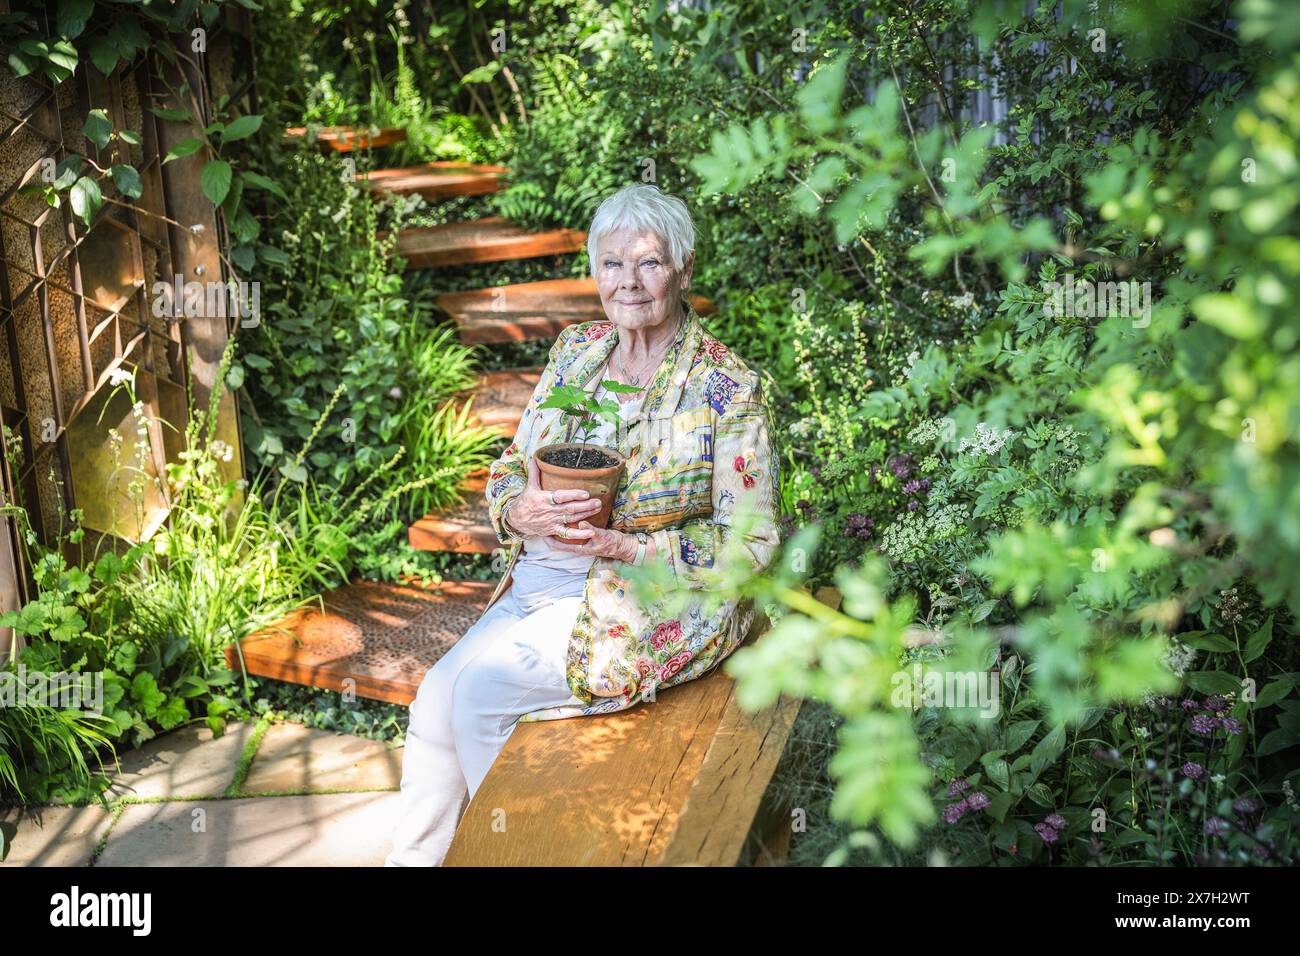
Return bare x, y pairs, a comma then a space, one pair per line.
679, 782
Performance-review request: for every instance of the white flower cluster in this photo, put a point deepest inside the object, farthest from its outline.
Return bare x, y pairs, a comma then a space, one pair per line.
926, 430
905, 538
1179, 658
987, 441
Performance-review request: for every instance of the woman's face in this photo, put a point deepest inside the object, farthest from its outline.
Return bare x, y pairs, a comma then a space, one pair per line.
635, 277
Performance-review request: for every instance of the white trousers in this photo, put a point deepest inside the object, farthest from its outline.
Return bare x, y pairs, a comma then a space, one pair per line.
512, 661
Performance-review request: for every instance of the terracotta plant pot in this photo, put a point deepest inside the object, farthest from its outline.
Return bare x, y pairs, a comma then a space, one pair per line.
599, 482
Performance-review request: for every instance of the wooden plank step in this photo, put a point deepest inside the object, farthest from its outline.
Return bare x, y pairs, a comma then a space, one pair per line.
492, 239
375, 639
530, 310
500, 398
681, 781
465, 528
438, 180
348, 139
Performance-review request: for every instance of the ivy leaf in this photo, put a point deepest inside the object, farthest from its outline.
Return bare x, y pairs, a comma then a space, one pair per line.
98, 128
127, 181
215, 180
86, 199
72, 17
104, 54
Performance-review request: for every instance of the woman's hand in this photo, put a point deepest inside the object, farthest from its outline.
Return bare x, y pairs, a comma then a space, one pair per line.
596, 542
545, 513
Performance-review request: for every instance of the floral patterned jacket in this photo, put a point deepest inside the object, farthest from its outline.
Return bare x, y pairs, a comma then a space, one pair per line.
699, 453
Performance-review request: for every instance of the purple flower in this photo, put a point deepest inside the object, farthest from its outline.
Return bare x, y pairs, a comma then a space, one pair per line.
912, 487
1193, 770
1216, 826
977, 800
1231, 724
1244, 806
900, 465
1047, 833
1056, 821
1217, 702
1190, 704
1204, 724
958, 786
913, 505
954, 811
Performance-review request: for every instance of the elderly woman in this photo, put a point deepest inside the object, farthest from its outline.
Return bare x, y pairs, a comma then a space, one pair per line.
563, 635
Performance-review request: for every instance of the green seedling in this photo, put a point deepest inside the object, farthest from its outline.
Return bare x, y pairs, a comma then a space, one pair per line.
582, 405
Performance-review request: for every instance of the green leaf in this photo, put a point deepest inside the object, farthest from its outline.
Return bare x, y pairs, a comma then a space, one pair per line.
819, 100
98, 128
86, 199
144, 689
1048, 749
215, 180
1212, 682
1276, 741
72, 17
127, 181
257, 180
1018, 734
1274, 692
105, 57
1230, 314
161, 112
185, 147
1259, 641
1214, 643
242, 128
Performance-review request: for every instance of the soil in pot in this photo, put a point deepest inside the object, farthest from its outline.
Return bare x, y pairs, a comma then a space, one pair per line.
584, 458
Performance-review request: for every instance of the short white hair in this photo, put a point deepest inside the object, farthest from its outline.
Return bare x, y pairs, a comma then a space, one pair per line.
641, 206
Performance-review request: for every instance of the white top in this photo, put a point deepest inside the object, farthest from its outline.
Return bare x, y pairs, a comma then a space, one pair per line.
537, 556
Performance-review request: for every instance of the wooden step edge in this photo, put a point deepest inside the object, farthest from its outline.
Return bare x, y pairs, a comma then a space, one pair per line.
505, 248
348, 139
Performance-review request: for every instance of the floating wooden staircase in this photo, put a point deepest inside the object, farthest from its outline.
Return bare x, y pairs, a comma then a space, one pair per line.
481, 240
349, 139
434, 181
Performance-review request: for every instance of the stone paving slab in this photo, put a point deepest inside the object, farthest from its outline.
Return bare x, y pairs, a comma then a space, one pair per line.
189, 762
54, 836
339, 829
294, 757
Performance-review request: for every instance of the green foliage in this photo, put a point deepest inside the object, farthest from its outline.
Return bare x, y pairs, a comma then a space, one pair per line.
582, 407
